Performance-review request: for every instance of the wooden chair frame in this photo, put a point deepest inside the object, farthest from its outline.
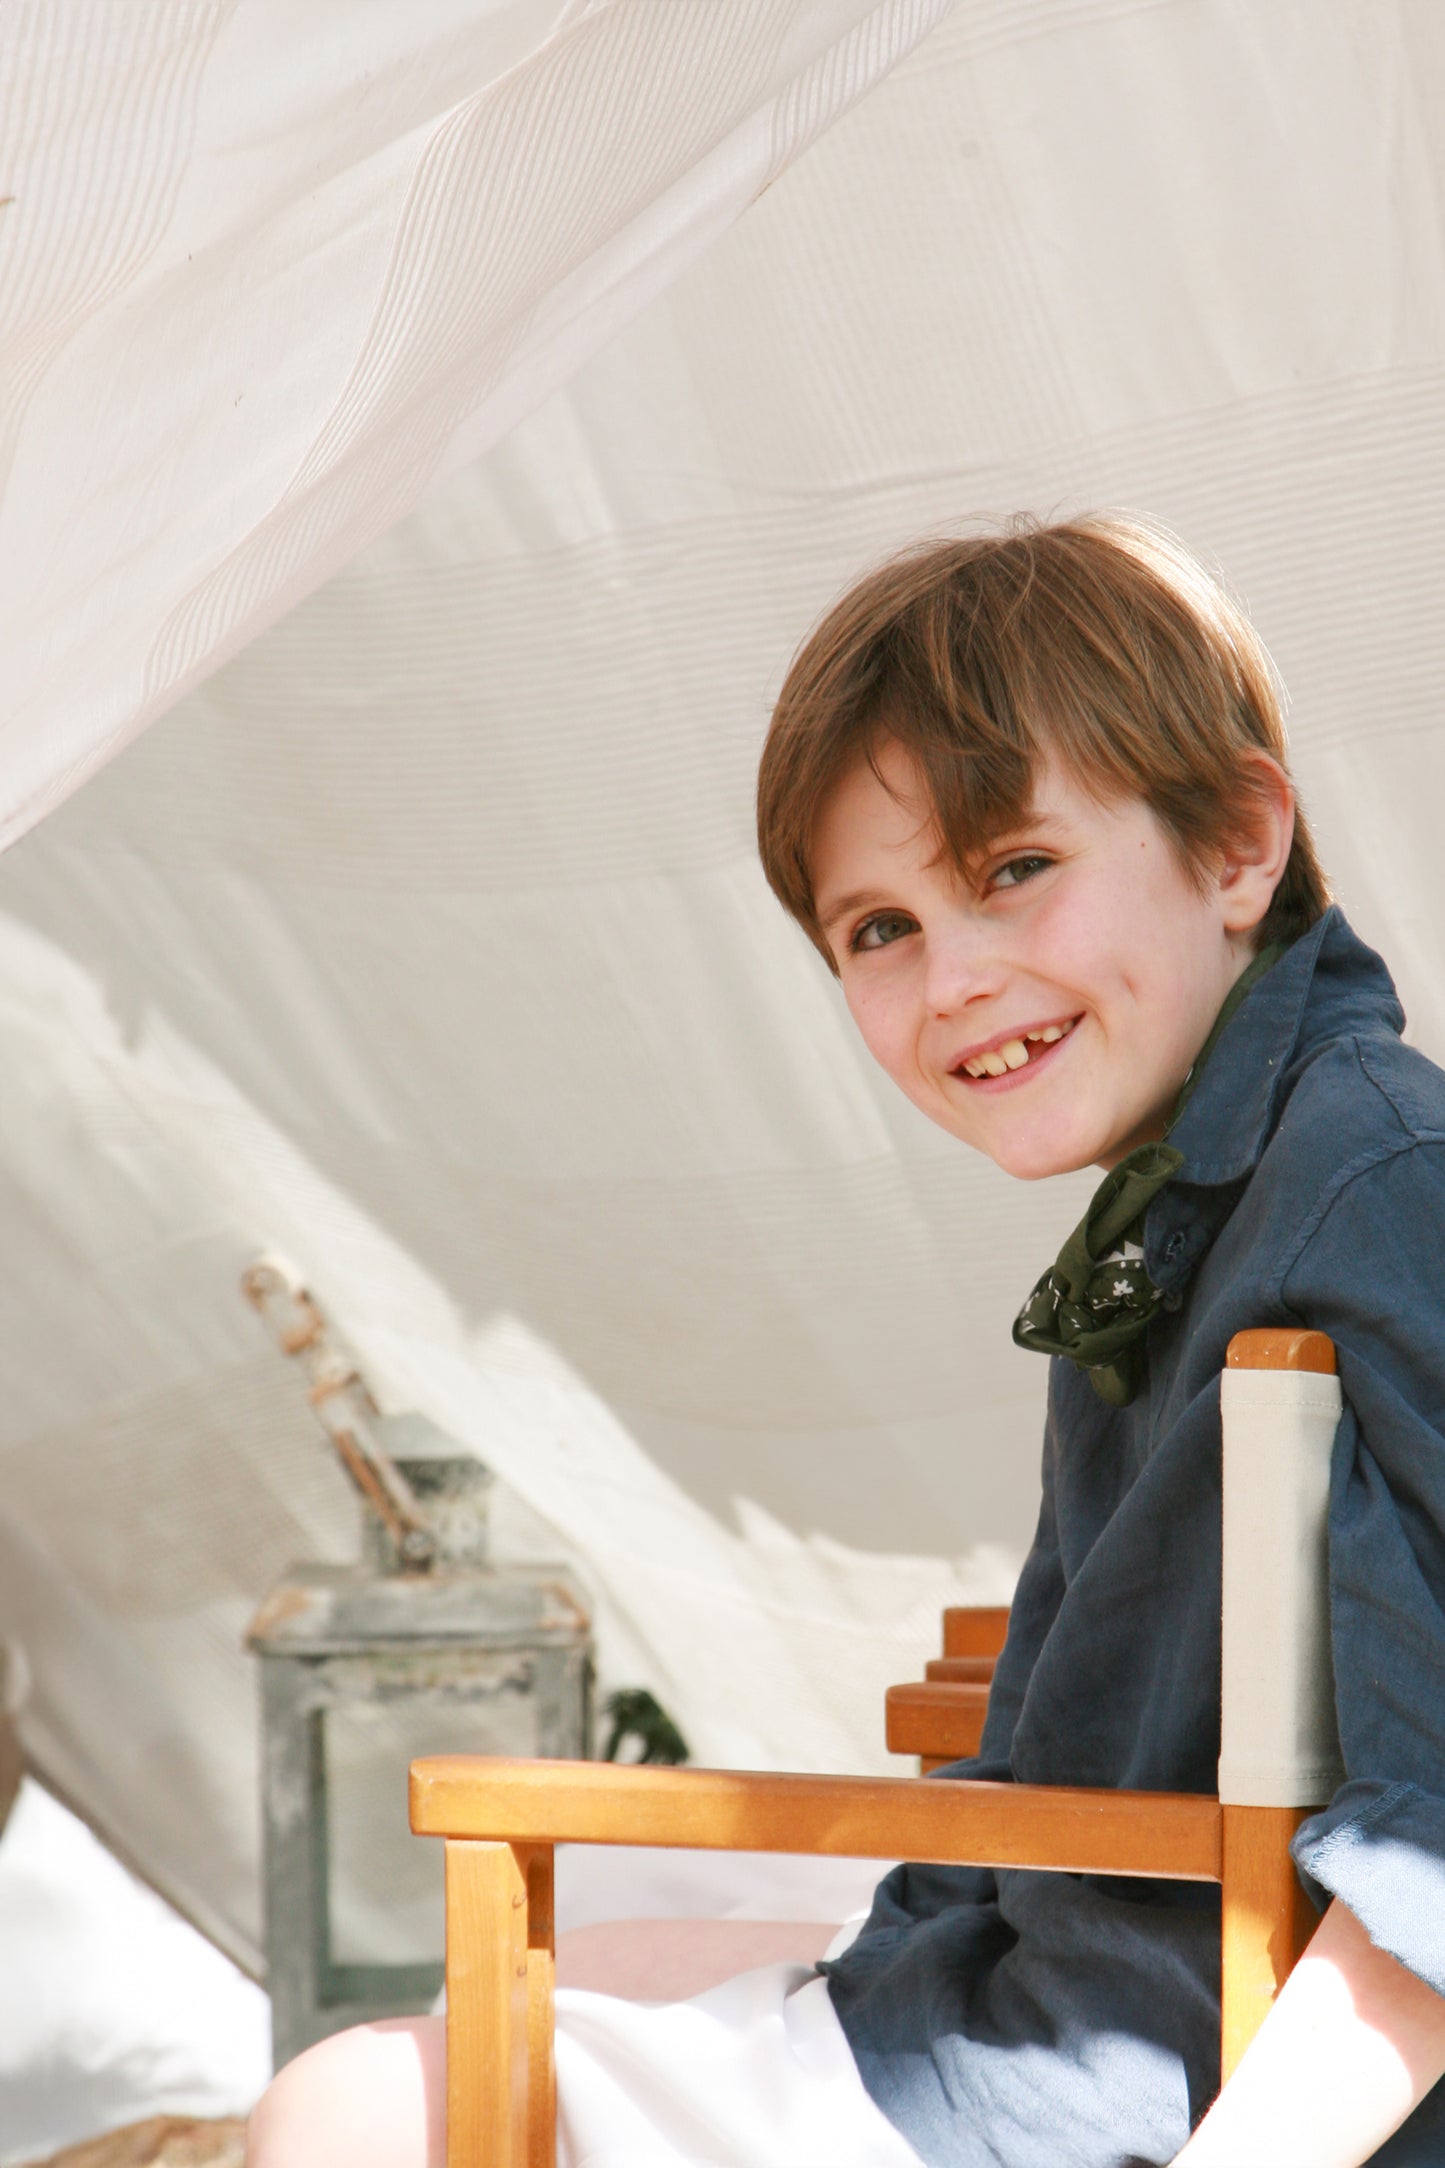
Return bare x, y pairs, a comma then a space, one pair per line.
940, 1717
501, 1819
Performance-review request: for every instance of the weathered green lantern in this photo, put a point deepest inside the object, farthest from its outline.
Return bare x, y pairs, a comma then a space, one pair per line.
421, 1647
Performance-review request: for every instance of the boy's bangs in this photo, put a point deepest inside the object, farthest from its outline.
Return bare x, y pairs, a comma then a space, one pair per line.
1097, 645
974, 797
977, 751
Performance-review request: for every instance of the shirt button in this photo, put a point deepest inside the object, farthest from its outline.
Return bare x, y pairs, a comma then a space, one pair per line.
1172, 1299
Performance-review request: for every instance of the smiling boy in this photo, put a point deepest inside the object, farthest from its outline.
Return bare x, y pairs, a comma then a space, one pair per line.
1051, 1022
1028, 797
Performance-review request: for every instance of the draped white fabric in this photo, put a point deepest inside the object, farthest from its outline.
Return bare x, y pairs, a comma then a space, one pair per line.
269, 270
425, 940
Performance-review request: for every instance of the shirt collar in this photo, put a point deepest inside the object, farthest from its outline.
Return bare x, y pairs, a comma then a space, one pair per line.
1326, 985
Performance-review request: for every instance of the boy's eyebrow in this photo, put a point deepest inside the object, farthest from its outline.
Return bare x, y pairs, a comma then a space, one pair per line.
1033, 819
845, 906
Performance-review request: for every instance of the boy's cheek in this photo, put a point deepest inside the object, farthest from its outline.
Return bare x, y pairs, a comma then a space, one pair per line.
881, 1031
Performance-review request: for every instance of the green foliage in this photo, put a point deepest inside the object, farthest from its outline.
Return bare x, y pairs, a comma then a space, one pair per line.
636, 1714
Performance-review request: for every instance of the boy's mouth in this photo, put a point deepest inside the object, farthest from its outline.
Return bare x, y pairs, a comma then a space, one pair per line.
1011, 1054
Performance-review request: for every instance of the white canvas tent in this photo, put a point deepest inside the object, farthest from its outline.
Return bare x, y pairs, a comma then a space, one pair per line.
429, 429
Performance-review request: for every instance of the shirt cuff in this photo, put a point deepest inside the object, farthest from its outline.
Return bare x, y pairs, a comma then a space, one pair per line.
1380, 1848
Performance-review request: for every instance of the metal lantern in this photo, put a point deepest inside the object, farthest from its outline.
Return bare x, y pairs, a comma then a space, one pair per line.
420, 1647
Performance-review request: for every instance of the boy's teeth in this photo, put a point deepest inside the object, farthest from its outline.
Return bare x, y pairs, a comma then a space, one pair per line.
1013, 1053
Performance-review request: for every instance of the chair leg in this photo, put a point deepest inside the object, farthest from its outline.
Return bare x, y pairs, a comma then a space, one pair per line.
541, 2020
1267, 1920
487, 2006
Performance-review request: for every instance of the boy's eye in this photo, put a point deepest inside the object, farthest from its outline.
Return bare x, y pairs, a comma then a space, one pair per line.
883, 927
1018, 870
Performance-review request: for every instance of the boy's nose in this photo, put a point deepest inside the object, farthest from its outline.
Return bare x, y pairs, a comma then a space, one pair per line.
961, 967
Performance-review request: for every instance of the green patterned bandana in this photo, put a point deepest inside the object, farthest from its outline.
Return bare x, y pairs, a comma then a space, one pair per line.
1096, 1303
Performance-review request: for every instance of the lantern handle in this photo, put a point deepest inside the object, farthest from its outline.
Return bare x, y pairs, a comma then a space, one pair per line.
342, 1402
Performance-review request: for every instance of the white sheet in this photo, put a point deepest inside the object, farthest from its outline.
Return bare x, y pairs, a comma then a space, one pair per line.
111, 2008
425, 939
753, 2074
271, 268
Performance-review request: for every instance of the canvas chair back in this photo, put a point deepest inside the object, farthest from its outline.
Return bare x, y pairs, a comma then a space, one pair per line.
1280, 1400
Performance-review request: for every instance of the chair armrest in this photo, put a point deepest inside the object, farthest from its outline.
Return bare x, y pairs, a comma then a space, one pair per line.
971, 1629
1169, 1835
941, 1720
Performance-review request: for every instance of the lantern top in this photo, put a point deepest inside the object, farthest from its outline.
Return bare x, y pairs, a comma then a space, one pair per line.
332, 1610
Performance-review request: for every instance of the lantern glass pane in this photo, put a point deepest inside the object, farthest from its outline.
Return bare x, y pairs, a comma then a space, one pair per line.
384, 1884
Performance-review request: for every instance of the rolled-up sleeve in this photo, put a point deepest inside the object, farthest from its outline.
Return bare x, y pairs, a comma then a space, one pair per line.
1371, 1273
1380, 1848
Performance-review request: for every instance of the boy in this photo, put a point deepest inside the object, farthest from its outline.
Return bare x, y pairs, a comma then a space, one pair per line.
1027, 796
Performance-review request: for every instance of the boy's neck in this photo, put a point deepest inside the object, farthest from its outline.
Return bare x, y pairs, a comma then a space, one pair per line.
1252, 968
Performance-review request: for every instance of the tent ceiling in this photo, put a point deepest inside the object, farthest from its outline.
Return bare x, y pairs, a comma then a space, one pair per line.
425, 939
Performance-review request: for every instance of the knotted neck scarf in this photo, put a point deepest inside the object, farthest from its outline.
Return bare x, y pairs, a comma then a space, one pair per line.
1097, 1301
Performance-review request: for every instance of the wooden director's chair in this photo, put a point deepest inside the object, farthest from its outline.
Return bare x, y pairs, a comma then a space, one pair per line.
501, 1819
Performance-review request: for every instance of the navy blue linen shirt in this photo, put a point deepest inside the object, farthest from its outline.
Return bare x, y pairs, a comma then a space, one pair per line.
1015, 2019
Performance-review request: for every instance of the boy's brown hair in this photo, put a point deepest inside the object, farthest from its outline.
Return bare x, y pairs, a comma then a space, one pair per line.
1098, 640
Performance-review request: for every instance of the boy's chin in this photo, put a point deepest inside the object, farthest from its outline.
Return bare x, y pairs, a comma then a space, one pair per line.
1033, 1151
1036, 1159
1038, 1167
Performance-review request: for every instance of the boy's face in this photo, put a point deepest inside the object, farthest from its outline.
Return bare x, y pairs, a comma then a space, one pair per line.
1046, 1010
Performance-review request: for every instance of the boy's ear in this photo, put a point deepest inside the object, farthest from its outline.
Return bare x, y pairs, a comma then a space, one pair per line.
1257, 851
